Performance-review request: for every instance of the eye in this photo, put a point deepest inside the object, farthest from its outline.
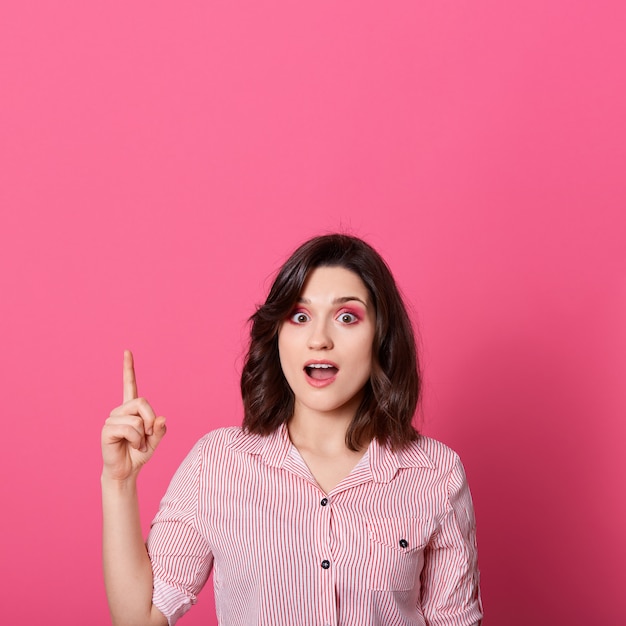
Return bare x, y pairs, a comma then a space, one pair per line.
299, 317
348, 318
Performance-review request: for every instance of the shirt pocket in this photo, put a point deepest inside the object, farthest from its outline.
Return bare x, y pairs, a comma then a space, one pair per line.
396, 552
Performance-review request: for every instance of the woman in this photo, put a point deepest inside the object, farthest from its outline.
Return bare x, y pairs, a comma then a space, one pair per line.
327, 506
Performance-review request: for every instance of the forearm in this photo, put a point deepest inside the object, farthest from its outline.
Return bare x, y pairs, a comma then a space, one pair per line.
127, 569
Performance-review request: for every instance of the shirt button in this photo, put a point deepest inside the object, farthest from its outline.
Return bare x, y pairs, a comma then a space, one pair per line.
325, 564
404, 543
324, 501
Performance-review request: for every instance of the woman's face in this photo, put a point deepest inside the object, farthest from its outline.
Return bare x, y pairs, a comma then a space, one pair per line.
326, 343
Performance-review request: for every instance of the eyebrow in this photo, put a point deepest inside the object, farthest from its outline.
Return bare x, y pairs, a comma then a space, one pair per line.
341, 300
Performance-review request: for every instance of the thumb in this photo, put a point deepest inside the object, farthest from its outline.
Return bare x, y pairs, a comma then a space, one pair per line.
158, 431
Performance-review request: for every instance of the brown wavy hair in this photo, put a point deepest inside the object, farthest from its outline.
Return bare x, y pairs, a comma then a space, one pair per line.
390, 396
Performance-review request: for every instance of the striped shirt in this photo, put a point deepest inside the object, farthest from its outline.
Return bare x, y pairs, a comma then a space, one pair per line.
393, 544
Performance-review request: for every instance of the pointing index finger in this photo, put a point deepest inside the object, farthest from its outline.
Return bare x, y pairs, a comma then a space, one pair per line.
130, 383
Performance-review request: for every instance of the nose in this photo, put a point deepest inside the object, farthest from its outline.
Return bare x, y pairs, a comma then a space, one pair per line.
320, 337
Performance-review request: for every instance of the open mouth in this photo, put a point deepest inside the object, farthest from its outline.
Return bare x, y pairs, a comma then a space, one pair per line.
321, 371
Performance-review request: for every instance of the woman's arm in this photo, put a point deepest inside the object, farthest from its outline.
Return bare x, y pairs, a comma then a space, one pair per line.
127, 569
129, 438
450, 578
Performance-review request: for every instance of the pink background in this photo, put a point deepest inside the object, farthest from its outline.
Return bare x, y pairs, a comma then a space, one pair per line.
160, 160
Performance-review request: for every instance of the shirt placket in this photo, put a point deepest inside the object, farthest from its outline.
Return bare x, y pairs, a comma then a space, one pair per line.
322, 532
360, 475
326, 565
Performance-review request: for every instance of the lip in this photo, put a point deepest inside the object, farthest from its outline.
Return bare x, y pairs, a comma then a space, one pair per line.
320, 383
321, 362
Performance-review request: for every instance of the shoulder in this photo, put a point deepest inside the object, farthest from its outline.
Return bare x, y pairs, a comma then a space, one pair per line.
428, 452
439, 471
438, 451
223, 441
219, 438
222, 436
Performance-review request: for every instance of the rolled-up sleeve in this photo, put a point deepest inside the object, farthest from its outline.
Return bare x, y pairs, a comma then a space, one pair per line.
179, 551
450, 577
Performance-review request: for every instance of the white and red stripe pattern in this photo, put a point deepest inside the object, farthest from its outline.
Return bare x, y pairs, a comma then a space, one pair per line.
393, 544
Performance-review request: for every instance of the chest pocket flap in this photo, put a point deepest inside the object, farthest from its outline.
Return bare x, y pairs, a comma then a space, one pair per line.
397, 552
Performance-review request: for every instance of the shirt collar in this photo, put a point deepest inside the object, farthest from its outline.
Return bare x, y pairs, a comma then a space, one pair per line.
273, 448
383, 461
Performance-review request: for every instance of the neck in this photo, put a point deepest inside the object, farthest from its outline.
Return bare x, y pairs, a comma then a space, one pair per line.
321, 433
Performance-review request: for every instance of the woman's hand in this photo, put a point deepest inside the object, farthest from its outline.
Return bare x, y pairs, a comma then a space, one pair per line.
131, 433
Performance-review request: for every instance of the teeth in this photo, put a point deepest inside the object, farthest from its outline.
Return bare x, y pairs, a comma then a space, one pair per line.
320, 366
